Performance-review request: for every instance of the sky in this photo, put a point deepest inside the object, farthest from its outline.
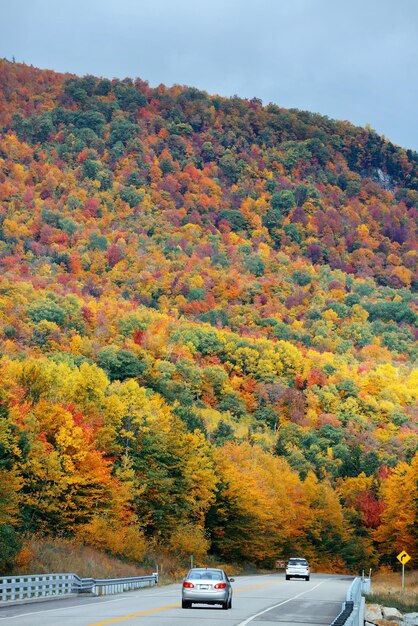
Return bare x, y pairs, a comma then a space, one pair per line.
355, 60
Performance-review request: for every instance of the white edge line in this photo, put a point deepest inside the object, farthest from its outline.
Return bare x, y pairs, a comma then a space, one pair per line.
270, 608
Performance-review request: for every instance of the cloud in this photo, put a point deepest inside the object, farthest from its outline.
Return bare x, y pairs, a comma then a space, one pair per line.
353, 61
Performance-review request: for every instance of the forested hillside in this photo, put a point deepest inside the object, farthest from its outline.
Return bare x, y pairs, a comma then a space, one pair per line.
207, 328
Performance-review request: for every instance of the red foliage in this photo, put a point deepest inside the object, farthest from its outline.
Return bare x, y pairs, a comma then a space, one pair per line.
371, 509
139, 336
91, 207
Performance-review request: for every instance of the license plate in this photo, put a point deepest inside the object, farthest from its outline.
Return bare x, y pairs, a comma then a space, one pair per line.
204, 587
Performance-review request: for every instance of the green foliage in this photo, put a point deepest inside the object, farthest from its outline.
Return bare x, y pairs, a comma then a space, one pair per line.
283, 201
98, 242
91, 119
388, 311
223, 433
301, 278
91, 168
131, 196
119, 364
131, 323
10, 544
189, 417
129, 98
292, 231
196, 294
232, 403
122, 130
254, 264
229, 166
235, 219
47, 310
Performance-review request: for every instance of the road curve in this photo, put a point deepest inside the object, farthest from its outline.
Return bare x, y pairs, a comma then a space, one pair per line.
257, 601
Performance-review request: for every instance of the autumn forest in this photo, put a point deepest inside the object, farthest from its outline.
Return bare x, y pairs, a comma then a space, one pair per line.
208, 324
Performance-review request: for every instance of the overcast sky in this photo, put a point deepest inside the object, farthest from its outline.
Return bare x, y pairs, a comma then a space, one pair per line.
348, 59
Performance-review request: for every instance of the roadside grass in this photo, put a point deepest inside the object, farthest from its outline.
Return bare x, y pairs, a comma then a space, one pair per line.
387, 590
47, 556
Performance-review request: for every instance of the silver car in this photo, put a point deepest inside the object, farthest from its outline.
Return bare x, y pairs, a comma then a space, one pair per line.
204, 585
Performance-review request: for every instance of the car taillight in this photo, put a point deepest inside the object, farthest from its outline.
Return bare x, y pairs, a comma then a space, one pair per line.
188, 585
220, 586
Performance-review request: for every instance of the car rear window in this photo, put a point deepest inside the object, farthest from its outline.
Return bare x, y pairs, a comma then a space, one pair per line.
205, 574
297, 562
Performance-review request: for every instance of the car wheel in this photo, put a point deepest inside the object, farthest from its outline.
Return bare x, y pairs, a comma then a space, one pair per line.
186, 604
287, 577
307, 577
225, 605
230, 603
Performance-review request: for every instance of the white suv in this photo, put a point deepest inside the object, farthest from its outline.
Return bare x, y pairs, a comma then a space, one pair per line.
297, 568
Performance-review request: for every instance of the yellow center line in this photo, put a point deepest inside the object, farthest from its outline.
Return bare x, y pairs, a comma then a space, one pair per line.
124, 618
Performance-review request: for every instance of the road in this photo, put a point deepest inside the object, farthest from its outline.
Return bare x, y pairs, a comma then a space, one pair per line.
257, 601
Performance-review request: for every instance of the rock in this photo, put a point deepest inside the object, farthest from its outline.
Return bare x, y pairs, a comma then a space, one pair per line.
369, 624
410, 619
387, 622
391, 613
372, 613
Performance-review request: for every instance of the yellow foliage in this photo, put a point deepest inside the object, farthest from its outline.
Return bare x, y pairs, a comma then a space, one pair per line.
358, 314
403, 274
187, 540
134, 544
11, 228
399, 519
385, 434
264, 251
350, 488
196, 281
81, 345
265, 496
330, 315
363, 232
111, 536
10, 486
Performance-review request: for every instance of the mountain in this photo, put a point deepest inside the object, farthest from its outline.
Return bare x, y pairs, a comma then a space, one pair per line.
208, 325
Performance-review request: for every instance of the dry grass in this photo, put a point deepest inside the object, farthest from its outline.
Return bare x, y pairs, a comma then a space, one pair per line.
387, 589
45, 556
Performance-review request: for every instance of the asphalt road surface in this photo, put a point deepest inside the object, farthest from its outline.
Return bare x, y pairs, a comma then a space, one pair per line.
257, 601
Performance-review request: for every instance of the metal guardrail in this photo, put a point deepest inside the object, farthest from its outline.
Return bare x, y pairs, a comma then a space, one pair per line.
352, 613
107, 586
15, 589
22, 587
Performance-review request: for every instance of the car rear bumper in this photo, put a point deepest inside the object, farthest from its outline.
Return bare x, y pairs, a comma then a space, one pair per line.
204, 597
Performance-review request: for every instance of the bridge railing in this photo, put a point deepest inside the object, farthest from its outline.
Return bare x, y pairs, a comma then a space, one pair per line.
107, 586
22, 587
352, 613
15, 589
